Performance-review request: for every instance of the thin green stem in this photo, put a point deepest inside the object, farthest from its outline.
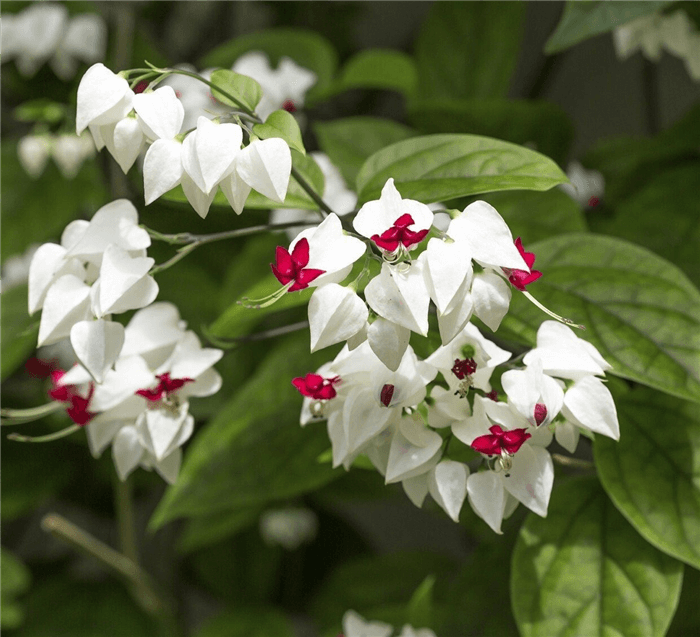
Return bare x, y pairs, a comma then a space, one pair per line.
20, 416
48, 438
184, 238
573, 463
124, 505
312, 193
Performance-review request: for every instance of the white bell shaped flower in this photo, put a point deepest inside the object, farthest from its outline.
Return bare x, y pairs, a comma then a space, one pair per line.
469, 345
388, 341
536, 396
487, 237
409, 631
160, 113
67, 302
565, 355
335, 314
567, 435
97, 345
162, 168
103, 98
400, 295
69, 152
446, 407
127, 451
318, 256
587, 187
47, 265
448, 267
414, 449
33, 152
84, 40
153, 332
354, 625
447, 483
588, 403
491, 296
265, 165
284, 87
125, 141
163, 429
393, 223
643, 33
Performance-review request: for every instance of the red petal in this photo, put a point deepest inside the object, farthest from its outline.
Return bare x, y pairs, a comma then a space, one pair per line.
284, 263
487, 444
304, 277
411, 238
300, 254
389, 245
326, 393
300, 384
282, 278
514, 439
404, 221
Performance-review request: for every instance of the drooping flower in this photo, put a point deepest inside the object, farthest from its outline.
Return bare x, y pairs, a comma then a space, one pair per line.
520, 278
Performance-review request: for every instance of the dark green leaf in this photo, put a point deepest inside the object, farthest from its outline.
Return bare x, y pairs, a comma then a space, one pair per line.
653, 473
584, 572
243, 89
254, 451
543, 124
307, 48
534, 216
379, 69
19, 330
583, 20
421, 604
15, 578
469, 49
350, 141
664, 216
261, 622
686, 621
209, 529
440, 167
640, 311
40, 110
281, 124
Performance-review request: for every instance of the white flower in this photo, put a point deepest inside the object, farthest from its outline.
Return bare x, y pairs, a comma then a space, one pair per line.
284, 87
103, 99
289, 527
355, 625
335, 314
34, 152
587, 186
70, 151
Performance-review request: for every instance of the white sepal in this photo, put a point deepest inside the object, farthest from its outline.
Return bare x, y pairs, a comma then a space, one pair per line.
160, 113
531, 477
162, 168
590, 404
487, 497
66, 303
266, 165
126, 451
491, 297
447, 483
335, 314
128, 142
97, 345
388, 341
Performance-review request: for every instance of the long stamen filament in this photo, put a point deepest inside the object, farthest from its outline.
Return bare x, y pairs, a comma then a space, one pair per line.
19, 416
265, 301
49, 438
561, 319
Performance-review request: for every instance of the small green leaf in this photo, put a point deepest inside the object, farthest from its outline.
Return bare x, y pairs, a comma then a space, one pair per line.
541, 125
281, 124
41, 110
274, 457
245, 90
640, 311
441, 167
584, 572
653, 473
379, 69
583, 20
420, 607
350, 141
307, 48
469, 49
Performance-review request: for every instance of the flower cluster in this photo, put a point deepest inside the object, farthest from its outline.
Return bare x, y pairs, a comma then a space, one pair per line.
44, 31
380, 400
68, 152
354, 625
141, 406
201, 160
674, 32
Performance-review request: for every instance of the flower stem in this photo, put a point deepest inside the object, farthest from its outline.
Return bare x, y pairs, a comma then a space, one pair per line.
184, 238
20, 416
325, 208
124, 506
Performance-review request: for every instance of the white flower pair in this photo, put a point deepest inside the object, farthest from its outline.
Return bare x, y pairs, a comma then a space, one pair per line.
68, 152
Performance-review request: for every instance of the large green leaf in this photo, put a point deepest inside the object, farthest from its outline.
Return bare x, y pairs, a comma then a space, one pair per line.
208, 529
583, 20
254, 451
469, 49
653, 473
584, 572
15, 578
307, 48
350, 141
19, 330
640, 311
296, 195
534, 216
440, 167
664, 216
241, 88
380, 69
543, 124
258, 622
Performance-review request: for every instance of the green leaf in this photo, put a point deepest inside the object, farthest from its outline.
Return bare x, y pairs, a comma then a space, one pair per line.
41, 110
583, 20
254, 451
543, 124
379, 69
686, 621
307, 48
296, 196
19, 330
534, 216
15, 577
441, 167
350, 141
421, 604
281, 124
209, 529
260, 622
640, 311
584, 572
241, 87
469, 49
653, 473
664, 216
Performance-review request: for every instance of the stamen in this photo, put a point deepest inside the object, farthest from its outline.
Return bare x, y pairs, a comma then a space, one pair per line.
561, 319
265, 301
387, 394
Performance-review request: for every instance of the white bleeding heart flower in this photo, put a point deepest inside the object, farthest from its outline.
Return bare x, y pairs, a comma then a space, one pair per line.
97, 345
33, 152
265, 165
69, 152
536, 396
388, 341
67, 302
355, 625
414, 450
103, 98
447, 484
335, 314
160, 113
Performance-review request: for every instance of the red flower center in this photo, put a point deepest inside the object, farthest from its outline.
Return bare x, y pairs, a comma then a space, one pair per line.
521, 278
386, 394
316, 386
463, 368
165, 387
540, 413
78, 406
399, 233
499, 440
292, 267
289, 106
